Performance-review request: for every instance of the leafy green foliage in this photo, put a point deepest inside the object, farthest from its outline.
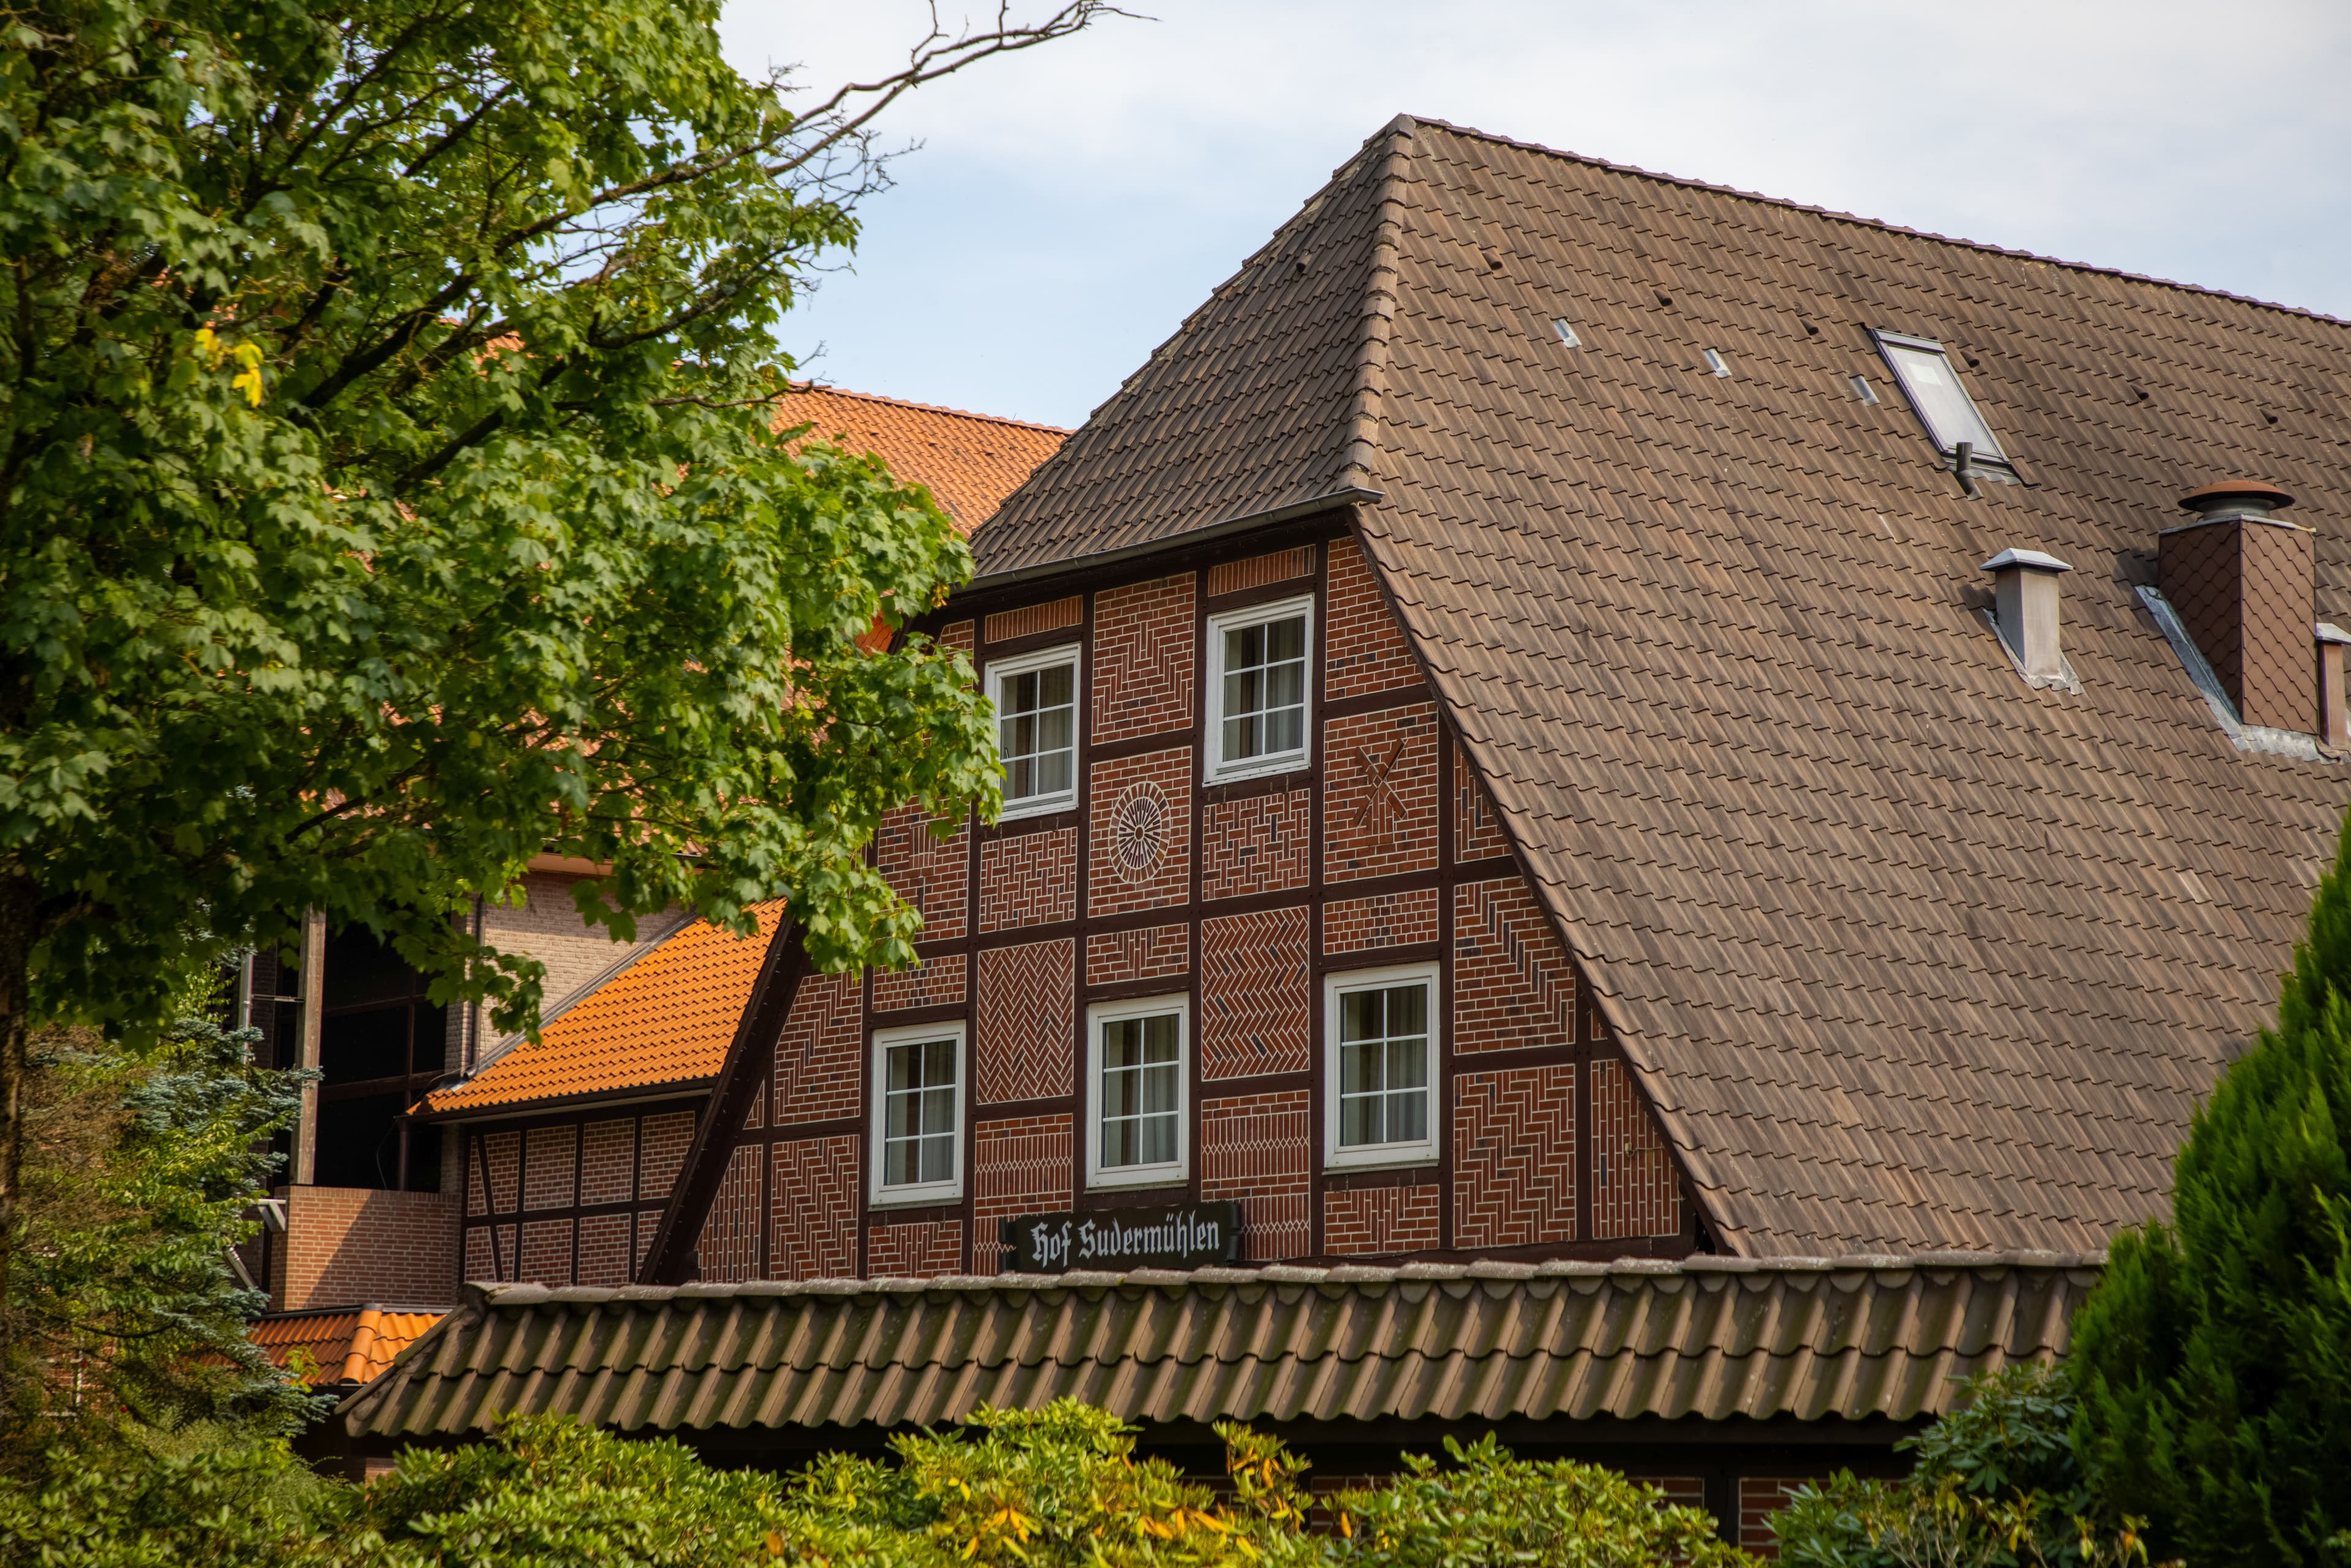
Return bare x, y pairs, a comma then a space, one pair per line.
208, 1499
1996, 1483
2215, 1355
142, 1171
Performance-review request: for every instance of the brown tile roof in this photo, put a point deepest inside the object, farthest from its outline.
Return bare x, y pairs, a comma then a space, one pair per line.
1708, 1338
343, 1344
665, 1019
1906, 955
969, 462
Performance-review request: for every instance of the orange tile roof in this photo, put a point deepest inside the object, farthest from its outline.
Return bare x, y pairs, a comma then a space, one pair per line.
667, 1018
970, 461
348, 1345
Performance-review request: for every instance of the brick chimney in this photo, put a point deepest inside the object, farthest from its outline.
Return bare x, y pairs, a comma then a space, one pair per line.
2243, 579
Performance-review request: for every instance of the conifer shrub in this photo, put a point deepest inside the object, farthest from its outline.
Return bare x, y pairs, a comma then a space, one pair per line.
2214, 1359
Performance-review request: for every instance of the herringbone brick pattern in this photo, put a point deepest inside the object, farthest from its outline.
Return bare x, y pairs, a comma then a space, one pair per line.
1027, 998
1029, 879
1258, 1149
1477, 830
728, 1247
1140, 842
915, 1250
819, 1058
1379, 793
604, 1249
1256, 994
1031, 618
931, 874
812, 1209
935, 981
661, 1152
546, 1252
1258, 843
1514, 1158
1514, 983
1635, 1188
1259, 570
1147, 953
1021, 1165
1142, 659
1406, 919
607, 1166
1365, 650
1379, 1221
548, 1166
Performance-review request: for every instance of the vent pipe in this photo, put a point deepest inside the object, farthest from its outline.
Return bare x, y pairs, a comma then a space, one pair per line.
2241, 580
2026, 595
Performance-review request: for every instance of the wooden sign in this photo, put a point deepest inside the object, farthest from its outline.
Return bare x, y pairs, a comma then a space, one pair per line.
1173, 1236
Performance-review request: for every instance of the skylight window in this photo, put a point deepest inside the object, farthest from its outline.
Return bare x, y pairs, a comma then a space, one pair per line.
1931, 383
1566, 333
1718, 364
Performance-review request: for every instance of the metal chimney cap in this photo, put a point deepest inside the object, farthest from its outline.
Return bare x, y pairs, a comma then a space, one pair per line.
2031, 557
2244, 492
2329, 633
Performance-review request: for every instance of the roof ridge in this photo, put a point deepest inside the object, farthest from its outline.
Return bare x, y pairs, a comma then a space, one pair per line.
1881, 224
812, 385
1378, 310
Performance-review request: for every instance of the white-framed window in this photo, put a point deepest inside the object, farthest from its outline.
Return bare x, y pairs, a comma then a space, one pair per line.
1260, 671
917, 1143
1379, 1085
1036, 700
1137, 1066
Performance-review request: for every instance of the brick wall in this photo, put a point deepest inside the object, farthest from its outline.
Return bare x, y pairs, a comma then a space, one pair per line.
608, 1162
915, 1250
820, 1057
550, 1170
1021, 1165
1028, 996
933, 982
1477, 830
1031, 618
929, 872
605, 1251
1375, 1221
1256, 994
1389, 920
1379, 793
1363, 648
1258, 1149
1261, 570
1760, 1497
1633, 1189
547, 927
546, 1252
1258, 843
662, 1140
1029, 879
501, 1167
1513, 982
728, 1247
812, 1209
344, 1246
627, 1159
1140, 832
1142, 680
1148, 953
1514, 1156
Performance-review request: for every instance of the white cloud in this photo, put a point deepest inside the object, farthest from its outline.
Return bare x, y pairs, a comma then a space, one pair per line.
1072, 204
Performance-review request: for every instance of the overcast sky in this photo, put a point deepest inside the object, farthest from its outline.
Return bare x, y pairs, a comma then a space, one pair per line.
1070, 205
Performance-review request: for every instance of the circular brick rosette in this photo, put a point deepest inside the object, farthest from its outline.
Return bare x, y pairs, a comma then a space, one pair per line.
1139, 830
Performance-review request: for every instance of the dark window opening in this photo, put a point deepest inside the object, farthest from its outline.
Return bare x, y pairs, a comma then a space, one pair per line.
382, 1046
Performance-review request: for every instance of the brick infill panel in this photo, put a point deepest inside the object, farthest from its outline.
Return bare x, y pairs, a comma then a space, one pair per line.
812, 1208
1257, 988
1477, 830
937, 981
1029, 879
1257, 843
1379, 1221
1258, 1149
1379, 793
931, 874
1027, 1000
1363, 648
1258, 570
1021, 1165
1031, 618
1406, 919
915, 1248
820, 1058
1140, 843
1147, 953
1141, 676
1514, 983
1514, 1156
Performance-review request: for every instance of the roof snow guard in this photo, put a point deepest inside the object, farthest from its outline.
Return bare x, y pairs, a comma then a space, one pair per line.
1706, 1337
1906, 953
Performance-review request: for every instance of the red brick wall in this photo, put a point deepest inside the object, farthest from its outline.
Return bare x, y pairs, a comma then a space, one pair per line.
1145, 954
604, 1249
956, 634
1261, 570
931, 874
1514, 1156
1364, 648
1389, 920
549, 1169
502, 1159
1031, 618
915, 1250
933, 982
1377, 1220
1258, 1149
608, 1170
1633, 1189
728, 1248
344, 1246
1379, 788
1760, 1497
812, 1209
1477, 830
1514, 983
546, 1252
1029, 879
1021, 1164
1028, 996
1141, 832
1258, 843
820, 1058
1142, 678
1256, 994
